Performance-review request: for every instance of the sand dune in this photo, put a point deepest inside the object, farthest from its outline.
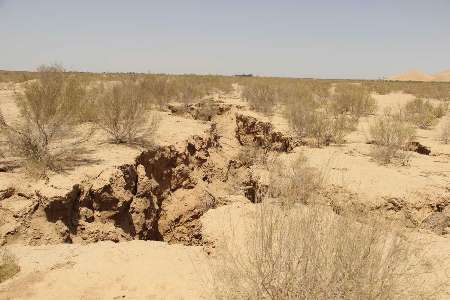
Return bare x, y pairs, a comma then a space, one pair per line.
417, 75
412, 75
442, 76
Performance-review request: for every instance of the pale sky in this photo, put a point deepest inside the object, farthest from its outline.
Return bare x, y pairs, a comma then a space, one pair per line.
325, 39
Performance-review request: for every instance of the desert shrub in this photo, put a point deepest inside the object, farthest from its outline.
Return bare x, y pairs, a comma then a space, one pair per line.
48, 109
293, 181
422, 113
390, 135
261, 97
321, 125
8, 266
313, 115
158, 89
440, 110
122, 113
310, 254
190, 89
445, 132
352, 99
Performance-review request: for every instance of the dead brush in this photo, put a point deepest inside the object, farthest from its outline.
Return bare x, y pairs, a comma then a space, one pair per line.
324, 127
310, 253
262, 97
390, 135
47, 117
352, 99
158, 90
8, 266
293, 181
122, 113
422, 113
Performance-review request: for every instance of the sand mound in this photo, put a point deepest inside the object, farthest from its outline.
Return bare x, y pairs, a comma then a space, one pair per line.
442, 76
412, 75
416, 75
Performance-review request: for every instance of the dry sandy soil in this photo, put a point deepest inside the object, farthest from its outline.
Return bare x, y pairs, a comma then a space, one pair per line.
80, 234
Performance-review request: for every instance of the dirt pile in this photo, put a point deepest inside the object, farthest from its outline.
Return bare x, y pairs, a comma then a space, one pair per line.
252, 132
204, 110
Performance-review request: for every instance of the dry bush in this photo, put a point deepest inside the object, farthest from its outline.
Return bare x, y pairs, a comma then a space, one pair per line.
190, 89
445, 133
8, 266
323, 126
48, 110
158, 89
311, 254
262, 97
432, 90
422, 113
352, 99
293, 181
390, 135
311, 113
122, 113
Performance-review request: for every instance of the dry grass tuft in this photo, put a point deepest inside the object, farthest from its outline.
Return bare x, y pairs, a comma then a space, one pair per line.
293, 181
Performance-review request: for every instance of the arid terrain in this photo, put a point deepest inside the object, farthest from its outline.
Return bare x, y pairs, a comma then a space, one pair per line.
226, 175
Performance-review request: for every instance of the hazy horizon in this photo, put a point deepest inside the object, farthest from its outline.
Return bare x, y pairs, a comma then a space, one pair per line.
324, 39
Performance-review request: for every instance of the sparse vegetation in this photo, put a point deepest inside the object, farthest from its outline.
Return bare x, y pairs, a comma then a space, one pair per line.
422, 113
390, 135
48, 108
261, 97
352, 99
309, 253
122, 113
317, 118
294, 181
8, 266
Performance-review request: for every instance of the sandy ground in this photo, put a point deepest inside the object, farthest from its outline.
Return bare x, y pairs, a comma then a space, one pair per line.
155, 270
105, 270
